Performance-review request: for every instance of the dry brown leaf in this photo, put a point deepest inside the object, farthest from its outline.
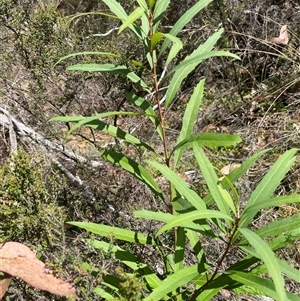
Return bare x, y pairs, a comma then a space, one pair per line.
283, 38
227, 169
18, 260
4, 284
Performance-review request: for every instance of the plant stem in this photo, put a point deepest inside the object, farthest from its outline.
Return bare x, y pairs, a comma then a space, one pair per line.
160, 114
229, 244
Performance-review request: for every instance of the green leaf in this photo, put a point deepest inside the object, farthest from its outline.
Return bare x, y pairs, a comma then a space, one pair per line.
237, 173
159, 11
267, 255
167, 217
182, 73
208, 139
290, 272
189, 118
142, 4
180, 248
117, 233
197, 59
273, 202
176, 47
185, 219
116, 8
174, 281
226, 197
268, 184
144, 105
211, 180
182, 21
151, 3
104, 294
86, 53
136, 14
180, 185
195, 243
129, 260
111, 68
105, 128
133, 168
280, 226
266, 287
156, 38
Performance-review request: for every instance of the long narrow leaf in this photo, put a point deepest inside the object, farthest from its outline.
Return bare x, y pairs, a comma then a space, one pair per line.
117, 233
86, 53
197, 59
159, 10
195, 243
268, 184
180, 248
273, 202
167, 217
208, 139
119, 11
268, 257
104, 294
189, 118
211, 179
176, 47
129, 260
133, 168
180, 185
111, 68
115, 132
136, 14
174, 281
182, 21
185, 219
266, 287
237, 173
182, 73
144, 105
280, 226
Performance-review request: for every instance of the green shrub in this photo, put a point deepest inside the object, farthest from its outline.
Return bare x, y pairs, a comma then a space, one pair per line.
29, 202
218, 216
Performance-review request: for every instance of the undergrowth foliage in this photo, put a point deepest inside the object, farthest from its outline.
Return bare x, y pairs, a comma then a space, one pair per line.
29, 202
219, 215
